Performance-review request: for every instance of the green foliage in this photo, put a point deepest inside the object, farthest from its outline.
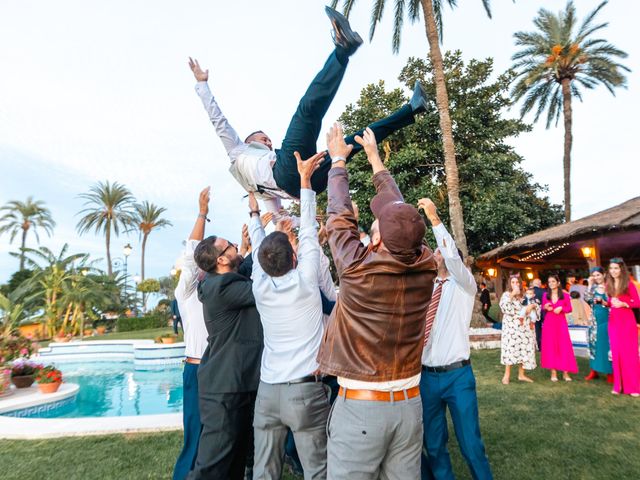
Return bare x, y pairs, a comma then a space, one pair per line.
128, 324
17, 279
150, 285
500, 200
556, 51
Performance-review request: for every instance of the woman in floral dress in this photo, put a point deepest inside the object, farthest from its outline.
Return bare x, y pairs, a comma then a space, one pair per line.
516, 345
596, 297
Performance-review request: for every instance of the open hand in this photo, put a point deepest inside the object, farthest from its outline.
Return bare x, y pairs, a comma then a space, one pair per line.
201, 76
245, 245
335, 143
369, 143
203, 201
307, 167
557, 310
266, 218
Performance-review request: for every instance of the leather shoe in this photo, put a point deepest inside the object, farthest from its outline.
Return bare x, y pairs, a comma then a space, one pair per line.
343, 36
418, 101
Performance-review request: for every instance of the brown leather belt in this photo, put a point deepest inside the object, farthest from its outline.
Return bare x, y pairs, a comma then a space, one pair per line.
378, 396
195, 361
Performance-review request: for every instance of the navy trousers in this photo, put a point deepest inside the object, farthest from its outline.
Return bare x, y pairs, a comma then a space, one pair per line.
304, 129
191, 422
457, 391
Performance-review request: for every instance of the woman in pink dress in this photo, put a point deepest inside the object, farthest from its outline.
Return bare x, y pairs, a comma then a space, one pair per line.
557, 350
623, 333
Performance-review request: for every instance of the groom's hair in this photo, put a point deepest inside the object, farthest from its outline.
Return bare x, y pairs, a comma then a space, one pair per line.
246, 140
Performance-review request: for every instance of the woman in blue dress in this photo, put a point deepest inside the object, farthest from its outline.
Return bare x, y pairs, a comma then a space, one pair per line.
596, 297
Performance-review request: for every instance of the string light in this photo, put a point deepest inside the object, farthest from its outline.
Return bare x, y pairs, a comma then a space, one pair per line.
544, 253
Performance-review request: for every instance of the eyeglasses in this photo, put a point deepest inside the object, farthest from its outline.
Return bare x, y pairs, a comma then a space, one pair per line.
234, 245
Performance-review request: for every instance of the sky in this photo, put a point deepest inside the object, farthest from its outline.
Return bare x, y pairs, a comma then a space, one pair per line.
94, 91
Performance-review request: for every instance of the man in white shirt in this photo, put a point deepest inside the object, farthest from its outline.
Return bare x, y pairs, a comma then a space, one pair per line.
272, 175
287, 294
447, 378
195, 340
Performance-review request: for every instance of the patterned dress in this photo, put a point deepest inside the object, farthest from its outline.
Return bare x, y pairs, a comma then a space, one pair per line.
518, 340
598, 330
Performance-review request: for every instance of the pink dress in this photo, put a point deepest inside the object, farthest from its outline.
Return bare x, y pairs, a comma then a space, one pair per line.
623, 338
557, 350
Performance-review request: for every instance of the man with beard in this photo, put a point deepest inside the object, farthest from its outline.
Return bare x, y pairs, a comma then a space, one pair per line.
230, 370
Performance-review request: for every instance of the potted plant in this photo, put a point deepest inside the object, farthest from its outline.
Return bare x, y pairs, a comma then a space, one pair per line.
101, 329
49, 379
23, 372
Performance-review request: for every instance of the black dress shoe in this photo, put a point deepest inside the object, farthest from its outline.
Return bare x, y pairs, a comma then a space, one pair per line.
418, 101
343, 36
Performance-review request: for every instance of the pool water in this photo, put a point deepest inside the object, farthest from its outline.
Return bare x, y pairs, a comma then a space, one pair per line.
114, 389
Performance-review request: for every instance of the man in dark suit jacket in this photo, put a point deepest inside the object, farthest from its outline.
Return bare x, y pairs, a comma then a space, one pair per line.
229, 374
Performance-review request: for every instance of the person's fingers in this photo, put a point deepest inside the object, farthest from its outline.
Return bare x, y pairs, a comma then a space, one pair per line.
359, 139
350, 149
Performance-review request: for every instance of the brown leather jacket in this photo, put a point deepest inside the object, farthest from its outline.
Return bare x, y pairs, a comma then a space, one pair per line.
376, 330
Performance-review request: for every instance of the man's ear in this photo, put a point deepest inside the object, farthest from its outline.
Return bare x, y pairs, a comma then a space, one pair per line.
222, 260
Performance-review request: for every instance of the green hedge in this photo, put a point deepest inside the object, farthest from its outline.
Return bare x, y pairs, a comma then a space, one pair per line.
141, 323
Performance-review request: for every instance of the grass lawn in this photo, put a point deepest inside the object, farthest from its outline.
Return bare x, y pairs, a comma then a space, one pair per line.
539, 431
135, 335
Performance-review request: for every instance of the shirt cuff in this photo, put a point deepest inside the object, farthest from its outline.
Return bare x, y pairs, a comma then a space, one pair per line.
307, 194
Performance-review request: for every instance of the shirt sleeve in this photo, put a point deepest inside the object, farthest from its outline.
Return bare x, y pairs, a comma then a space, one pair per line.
308, 246
256, 234
226, 132
342, 227
274, 205
189, 274
456, 267
324, 278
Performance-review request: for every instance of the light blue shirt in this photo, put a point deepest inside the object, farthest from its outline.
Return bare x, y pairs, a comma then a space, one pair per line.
290, 306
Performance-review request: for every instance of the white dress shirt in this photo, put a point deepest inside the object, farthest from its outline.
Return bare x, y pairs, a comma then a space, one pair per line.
449, 340
251, 163
195, 331
290, 306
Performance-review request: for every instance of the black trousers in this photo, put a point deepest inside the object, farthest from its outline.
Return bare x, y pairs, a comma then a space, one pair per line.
485, 314
304, 129
226, 441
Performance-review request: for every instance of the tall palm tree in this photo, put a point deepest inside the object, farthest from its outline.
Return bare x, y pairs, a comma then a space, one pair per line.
147, 219
25, 216
109, 207
555, 61
432, 12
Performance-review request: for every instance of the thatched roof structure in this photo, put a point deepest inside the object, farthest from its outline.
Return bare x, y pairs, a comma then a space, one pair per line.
615, 232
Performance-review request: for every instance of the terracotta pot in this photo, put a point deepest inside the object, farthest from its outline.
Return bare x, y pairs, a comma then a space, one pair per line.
101, 330
62, 339
168, 340
49, 387
88, 332
23, 381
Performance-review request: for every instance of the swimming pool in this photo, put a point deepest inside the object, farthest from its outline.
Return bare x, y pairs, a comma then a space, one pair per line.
116, 389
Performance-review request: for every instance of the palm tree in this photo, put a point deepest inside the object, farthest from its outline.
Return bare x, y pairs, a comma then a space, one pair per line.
147, 218
23, 216
432, 11
555, 61
109, 206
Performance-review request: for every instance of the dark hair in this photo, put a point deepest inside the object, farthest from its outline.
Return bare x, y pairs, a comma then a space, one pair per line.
276, 254
206, 254
252, 134
610, 283
560, 289
482, 284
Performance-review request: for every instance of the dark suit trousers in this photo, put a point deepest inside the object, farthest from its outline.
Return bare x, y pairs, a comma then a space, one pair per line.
303, 131
227, 436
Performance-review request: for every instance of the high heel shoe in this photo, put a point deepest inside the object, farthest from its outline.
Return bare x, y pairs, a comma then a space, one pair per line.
592, 376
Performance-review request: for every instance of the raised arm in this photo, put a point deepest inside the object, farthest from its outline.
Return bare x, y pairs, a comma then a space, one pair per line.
455, 265
226, 132
188, 277
342, 226
308, 246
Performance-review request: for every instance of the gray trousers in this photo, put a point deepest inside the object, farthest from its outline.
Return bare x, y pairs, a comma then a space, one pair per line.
304, 408
371, 440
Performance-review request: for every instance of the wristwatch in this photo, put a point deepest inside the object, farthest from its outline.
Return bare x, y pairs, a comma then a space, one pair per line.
338, 158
